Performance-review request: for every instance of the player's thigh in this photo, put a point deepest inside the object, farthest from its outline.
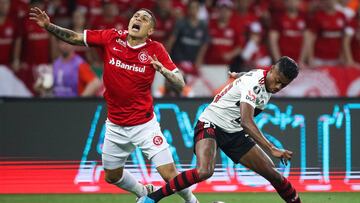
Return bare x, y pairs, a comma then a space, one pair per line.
205, 148
116, 148
149, 138
257, 160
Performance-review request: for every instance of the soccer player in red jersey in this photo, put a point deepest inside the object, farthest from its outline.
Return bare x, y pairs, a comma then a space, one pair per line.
10, 42
324, 36
130, 62
287, 32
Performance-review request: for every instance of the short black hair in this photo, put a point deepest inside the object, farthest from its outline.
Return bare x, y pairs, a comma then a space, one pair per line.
153, 19
288, 67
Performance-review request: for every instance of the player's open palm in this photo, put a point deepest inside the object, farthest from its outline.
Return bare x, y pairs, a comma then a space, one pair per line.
39, 16
283, 154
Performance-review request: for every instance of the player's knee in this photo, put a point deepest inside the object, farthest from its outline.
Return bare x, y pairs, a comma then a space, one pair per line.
275, 177
112, 177
170, 175
205, 172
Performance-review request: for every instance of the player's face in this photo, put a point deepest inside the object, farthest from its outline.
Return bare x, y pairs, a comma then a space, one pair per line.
275, 80
140, 25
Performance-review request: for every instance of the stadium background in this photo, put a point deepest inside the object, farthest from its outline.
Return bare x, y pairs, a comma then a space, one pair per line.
52, 145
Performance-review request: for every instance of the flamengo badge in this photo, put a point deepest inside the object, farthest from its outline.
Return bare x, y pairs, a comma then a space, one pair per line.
157, 140
143, 56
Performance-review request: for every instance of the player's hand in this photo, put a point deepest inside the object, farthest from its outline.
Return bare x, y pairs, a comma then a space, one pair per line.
156, 64
39, 16
283, 154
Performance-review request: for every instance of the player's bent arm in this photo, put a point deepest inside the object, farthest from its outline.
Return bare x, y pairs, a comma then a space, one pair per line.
248, 124
175, 78
66, 35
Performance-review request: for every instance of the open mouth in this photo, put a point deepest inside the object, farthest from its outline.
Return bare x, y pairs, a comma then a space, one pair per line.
135, 28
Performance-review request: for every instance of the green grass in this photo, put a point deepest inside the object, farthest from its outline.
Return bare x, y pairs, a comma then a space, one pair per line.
203, 197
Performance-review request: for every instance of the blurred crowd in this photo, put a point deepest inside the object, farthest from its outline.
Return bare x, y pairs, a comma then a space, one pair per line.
239, 34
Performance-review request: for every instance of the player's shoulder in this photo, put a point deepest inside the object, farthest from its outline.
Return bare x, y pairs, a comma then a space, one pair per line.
119, 33
255, 74
252, 78
155, 45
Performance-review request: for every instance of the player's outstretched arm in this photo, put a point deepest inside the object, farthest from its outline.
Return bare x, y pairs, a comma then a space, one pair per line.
247, 122
43, 20
175, 77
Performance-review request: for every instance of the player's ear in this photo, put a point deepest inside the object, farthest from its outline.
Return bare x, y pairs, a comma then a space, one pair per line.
150, 31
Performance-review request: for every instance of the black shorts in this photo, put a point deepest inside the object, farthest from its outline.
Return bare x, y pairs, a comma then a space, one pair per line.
234, 145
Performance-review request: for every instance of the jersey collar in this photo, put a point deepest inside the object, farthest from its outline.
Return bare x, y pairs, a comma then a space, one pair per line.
137, 46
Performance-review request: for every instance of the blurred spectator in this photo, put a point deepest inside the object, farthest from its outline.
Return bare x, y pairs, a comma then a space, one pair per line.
92, 8
72, 76
60, 11
287, 32
19, 9
37, 47
125, 7
226, 38
352, 42
78, 24
189, 41
323, 39
108, 20
164, 20
254, 50
10, 43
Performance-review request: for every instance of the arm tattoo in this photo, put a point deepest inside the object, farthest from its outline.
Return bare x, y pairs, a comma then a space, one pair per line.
66, 35
175, 78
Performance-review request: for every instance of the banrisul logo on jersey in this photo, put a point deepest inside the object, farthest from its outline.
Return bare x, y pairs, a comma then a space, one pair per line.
118, 63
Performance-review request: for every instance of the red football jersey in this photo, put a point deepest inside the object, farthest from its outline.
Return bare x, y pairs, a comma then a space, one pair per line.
291, 33
223, 40
329, 29
128, 75
355, 42
36, 44
8, 35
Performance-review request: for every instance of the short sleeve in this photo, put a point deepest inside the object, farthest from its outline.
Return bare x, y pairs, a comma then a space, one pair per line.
97, 37
247, 87
164, 58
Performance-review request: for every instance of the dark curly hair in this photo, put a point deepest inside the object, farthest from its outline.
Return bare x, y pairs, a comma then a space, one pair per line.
288, 67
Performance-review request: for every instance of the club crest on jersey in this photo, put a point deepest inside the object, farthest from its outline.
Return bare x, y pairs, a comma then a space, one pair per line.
257, 89
158, 140
143, 56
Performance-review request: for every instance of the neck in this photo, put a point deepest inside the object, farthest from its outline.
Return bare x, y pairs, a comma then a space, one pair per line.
67, 56
223, 22
133, 41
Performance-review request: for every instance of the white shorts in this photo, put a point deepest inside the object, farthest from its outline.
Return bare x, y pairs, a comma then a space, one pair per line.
121, 141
